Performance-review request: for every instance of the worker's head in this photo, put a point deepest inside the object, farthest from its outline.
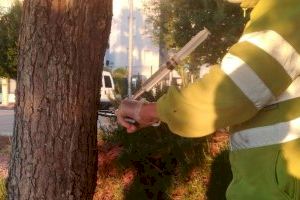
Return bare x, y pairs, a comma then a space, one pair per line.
235, 1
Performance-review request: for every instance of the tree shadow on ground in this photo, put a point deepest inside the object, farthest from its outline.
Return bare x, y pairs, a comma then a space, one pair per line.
161, 160
152, 180
220, 177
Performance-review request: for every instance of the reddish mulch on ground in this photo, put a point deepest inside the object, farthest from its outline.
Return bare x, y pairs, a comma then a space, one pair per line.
3, 166
4, 155
108, 172
217, 141
106, 157
106, 163
4, 142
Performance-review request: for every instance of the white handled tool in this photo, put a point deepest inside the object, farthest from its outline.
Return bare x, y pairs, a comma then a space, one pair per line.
167, 67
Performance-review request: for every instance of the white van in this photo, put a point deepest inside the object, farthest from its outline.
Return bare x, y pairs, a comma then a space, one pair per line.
107, 90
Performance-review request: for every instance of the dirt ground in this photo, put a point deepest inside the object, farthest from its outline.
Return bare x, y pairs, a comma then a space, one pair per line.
4, 155
108, 173
107, 154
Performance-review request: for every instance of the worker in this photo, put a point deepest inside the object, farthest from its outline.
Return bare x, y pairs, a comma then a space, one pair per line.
255, 91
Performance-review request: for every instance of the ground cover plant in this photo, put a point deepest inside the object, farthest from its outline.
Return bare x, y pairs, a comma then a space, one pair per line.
156, 164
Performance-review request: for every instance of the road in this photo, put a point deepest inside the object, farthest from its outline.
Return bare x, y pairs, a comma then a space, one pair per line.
106, 124
6, 122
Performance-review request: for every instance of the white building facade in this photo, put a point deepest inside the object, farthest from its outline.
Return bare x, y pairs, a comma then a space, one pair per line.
145, 52
7, 86
7, 91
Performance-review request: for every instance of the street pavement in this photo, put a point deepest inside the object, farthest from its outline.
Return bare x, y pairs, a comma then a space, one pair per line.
6, 122
106, 124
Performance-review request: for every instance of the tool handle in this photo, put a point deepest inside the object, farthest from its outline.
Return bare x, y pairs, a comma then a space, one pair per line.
167, 67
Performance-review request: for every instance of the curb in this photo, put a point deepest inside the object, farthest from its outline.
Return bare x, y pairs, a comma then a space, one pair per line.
7, 107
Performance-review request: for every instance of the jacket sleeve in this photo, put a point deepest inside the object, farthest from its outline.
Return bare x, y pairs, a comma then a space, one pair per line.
202, 107
253, 74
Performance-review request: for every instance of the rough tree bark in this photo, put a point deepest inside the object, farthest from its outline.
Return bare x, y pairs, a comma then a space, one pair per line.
62, 45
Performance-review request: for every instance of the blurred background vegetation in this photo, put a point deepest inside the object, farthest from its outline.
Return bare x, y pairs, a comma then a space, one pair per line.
9, 32
176, 21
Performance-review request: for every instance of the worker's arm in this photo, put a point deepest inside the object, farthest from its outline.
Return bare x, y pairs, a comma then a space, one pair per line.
196, 110
209, 104
255, 71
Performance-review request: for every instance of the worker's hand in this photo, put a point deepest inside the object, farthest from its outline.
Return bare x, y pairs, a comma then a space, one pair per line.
144, 114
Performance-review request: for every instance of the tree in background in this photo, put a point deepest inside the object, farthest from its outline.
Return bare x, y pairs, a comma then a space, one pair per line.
54, 152
176, 21
9, 32
120, 79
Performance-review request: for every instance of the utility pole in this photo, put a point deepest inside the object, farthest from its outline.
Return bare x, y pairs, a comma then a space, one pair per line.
130, 47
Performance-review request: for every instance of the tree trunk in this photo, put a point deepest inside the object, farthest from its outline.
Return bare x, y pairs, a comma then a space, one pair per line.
54, 152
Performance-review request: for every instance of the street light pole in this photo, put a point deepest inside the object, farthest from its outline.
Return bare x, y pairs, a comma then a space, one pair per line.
130, 47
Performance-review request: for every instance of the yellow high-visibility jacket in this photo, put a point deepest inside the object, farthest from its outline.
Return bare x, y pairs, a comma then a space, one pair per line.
256, 91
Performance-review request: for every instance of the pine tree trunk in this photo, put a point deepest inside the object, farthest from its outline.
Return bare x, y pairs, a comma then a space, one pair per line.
54, 152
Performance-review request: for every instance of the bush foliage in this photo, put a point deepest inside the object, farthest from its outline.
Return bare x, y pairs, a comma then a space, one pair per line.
10, 23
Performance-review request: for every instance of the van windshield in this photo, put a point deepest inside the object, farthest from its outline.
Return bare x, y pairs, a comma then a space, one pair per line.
107, 82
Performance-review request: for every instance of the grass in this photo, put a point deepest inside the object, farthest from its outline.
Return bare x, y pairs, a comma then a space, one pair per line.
191, 189
2, 189
109, 188
166, 166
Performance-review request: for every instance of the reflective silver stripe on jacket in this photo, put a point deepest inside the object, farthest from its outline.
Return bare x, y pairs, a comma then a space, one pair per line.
276, 46
247, 80
273, 134
254, 88
267, 135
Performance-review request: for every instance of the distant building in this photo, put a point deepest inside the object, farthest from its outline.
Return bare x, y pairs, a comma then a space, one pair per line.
7, 91
145, 53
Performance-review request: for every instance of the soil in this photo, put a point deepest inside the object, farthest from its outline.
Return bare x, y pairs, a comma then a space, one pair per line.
106, 164
4, 155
